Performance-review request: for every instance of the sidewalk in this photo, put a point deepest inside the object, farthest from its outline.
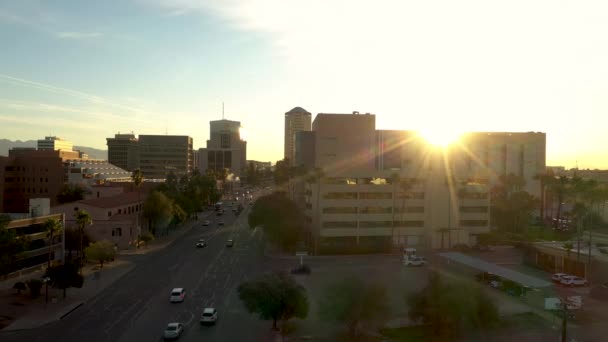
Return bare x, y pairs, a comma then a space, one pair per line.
31, 313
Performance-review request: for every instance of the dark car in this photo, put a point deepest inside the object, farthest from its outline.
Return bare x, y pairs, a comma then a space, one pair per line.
302, 269
230, 243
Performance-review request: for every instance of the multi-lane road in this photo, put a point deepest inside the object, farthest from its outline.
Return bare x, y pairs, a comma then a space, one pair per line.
137, 307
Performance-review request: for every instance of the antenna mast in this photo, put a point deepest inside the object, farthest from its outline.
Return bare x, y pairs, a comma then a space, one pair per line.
222, 110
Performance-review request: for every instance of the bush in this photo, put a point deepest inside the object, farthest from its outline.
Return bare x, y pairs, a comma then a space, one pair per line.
19, 286
34, 285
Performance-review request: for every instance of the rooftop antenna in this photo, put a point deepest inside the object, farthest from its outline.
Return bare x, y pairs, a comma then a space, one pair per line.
166, 128
222, 110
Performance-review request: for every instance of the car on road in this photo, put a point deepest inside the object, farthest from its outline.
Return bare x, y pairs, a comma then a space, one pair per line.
229, 243
206, 223
221, 223
201, 243
173, 331
571, 280
415, 261
178, 295
301, 269
209, 316
557, 277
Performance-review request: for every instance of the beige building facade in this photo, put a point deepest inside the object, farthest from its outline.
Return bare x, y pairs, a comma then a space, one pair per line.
381, 190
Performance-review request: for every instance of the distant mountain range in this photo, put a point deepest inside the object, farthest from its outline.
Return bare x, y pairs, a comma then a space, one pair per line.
6, 145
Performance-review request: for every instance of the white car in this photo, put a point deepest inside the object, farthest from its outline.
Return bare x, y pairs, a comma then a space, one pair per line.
209, 316
178, 295
173, 331
557, 277
201, 243
571, 280
414, 261
206, 223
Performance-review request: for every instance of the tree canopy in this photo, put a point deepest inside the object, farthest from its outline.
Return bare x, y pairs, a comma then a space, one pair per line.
512, 207
158, 209
71, 193
452, 308
65, 276
274, 296
100, 251
354, 302
281, 218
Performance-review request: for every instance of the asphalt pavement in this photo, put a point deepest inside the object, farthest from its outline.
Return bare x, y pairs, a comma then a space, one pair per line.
137, 307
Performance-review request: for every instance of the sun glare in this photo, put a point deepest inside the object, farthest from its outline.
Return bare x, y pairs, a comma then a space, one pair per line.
440, 137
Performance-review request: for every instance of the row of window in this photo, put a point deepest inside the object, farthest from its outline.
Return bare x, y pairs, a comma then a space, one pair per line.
25, 179
126, 210
10, 168
26, 190
373, 224
389, 224
371, 210
373, 195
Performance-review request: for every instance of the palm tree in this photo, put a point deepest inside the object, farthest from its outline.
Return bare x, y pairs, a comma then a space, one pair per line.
561, 189
545, 180
83, 219
138, 178
52, 227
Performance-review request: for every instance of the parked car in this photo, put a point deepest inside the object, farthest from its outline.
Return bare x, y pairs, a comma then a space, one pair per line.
201, 243
178, 294
230, 243
206, 223
571, 280
414, 261
173, 331
557, 277
209, 316
301, 269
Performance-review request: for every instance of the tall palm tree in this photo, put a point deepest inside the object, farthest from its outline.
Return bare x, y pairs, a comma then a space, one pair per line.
52, 227
138, 178
561, 189
545, 179
83, 219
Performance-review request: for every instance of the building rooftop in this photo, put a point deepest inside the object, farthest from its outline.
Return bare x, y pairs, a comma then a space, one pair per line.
298, 110
114, 201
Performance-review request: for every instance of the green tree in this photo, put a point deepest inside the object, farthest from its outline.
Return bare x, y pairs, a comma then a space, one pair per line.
356, 303
52, 227
179, 215
65, 276
561, 189
146, 237
83, 219
282, 220
71, 193
512, 207
34, 285
282, 172
158, 209
101, 251
449, 309
275, 296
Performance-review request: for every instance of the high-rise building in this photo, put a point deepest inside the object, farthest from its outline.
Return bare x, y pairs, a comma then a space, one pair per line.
160, 155
297, 119
54, 143
123, 151
225, 148
383, 189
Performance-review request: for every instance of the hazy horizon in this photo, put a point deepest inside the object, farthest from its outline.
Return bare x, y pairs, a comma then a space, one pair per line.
86, 71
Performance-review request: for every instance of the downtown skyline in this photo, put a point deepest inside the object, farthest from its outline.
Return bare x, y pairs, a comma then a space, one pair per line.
85, 71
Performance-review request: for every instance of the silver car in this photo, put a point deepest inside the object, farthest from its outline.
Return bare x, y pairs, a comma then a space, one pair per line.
173, 331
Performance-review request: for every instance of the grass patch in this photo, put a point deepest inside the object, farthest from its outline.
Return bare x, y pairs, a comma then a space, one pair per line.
413, 334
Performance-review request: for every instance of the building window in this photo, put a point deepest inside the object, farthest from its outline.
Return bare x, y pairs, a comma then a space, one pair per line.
109, 213
339, 210
340, 195
225, 140
409, 224
375, 210
481, 209
340, 224
374, 224
340, 180
375, 195
473, 223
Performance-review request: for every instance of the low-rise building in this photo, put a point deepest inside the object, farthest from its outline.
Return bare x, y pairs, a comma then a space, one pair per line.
115, 218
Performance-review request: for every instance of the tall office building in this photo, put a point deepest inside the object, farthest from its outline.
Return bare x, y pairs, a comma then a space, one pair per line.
297, 119
383, 189
123, 151
225, 148
54, 144
160, 155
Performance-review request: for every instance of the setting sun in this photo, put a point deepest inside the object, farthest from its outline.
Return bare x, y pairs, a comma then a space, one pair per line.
440, 137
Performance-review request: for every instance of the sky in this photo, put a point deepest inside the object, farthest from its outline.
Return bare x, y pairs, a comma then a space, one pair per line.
85, 70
